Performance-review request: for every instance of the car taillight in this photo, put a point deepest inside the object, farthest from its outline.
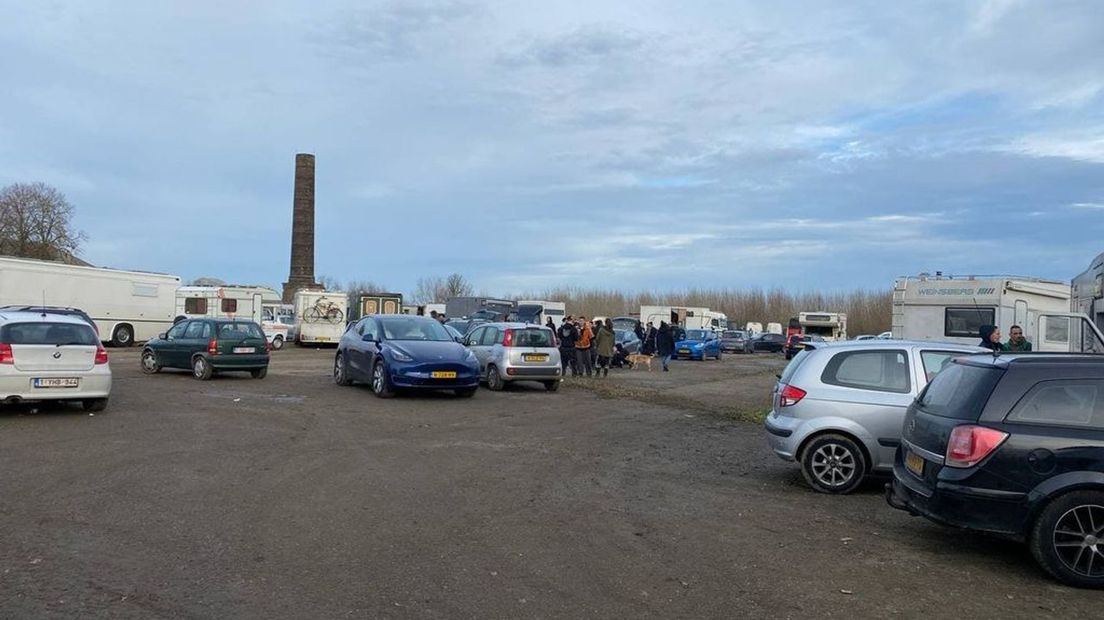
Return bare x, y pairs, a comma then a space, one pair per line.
101, 354
790, 396
970, 444
508, 338
212, 347
6, 355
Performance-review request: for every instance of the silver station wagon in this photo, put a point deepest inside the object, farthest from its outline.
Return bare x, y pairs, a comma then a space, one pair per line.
838, 409
515, 352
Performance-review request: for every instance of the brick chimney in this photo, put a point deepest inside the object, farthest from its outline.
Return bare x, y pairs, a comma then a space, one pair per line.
302, 229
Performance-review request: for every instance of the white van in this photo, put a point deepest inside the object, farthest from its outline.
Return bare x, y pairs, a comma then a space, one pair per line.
230, 302
276, 322
320, 317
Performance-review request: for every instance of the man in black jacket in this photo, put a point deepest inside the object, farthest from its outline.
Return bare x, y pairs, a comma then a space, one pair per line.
568, 334
665, 344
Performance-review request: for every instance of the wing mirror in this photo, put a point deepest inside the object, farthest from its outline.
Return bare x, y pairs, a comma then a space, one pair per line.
368, 338
164, 336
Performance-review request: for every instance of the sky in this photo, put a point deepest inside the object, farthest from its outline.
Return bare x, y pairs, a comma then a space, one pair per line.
631, 145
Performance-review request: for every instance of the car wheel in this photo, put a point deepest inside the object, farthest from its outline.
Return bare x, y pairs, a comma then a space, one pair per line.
150, 363
277, 343
494, 379
1067, 539
94, 404
259, 373
720, 354
341, 371
833, 464
465, 392
380, 385
201, 368
552, 386
123, 336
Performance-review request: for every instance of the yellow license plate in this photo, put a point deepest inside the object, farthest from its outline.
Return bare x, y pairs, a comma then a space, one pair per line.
440, 374
914, 463
323, 339
684, 350
535, 358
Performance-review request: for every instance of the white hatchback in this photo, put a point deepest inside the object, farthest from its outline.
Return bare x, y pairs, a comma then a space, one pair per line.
52, 357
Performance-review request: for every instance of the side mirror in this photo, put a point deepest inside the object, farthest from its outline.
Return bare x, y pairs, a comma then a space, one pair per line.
164, 336
368, 338
460, 339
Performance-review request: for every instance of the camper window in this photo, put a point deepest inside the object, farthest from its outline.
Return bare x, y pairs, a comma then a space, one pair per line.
966, 322
229, 305
195, 305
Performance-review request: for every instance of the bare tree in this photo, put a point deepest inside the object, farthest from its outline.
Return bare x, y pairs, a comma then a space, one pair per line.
328, 283
457, 286
36, 222
356, 288
438, 289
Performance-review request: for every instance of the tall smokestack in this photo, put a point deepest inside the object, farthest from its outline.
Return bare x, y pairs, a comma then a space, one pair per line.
302, 228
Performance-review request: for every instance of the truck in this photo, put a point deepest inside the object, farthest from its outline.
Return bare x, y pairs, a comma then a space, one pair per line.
320, 317
538, 312
230, 301
1087, 292
953, 309
378, 303
831, 326
488, 308
127, 306
753, 328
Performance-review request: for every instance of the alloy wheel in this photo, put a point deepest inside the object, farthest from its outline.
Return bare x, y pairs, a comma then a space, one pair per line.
377, 379
149, 361
833, 465
1079, 540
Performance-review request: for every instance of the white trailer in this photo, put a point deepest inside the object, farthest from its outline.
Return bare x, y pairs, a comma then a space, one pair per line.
319, 317
230, 301
685, 317
127, 306
953, 309
539, 311
831, 326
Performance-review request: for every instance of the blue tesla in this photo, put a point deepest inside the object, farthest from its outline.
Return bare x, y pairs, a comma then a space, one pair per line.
401, 352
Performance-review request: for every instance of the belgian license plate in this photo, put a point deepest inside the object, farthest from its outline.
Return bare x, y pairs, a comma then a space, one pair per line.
57, 382
914, 463
245, 349
442, 374
535, 357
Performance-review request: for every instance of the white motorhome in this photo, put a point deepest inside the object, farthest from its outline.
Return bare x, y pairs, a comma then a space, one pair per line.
686, 318
716, 321
230, 301
953, 309
831, 326
319, 317
127, 306
538, 311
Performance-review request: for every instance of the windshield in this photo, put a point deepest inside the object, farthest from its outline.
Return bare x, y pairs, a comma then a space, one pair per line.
960, 390
239, 330
414, 328
696, 334
533, 337
734, 334
624, 335
48, 334
529, 313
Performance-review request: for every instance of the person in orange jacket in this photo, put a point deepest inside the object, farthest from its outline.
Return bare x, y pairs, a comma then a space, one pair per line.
582, 348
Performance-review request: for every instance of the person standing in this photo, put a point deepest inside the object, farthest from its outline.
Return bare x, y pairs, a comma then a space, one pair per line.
568, 334
594, 328
990, 338
550, 324
648, 343
582, 348
638, 329
665, 344
1016, 341
604, 342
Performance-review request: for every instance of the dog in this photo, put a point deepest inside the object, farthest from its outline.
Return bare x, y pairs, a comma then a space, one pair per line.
638, 359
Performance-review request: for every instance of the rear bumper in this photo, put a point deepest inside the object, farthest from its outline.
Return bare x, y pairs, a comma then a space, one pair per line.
781, 435
97, 385
237, 362
1001, 513
532, 373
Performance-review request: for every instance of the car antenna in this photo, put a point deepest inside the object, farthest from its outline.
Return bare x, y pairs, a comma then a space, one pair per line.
43, 303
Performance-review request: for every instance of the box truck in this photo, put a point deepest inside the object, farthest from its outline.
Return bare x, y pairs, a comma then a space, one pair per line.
127, 306
320, 317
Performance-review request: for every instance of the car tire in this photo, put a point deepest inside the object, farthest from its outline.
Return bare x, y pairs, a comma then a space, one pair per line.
720, 354
277, 343
201, 368
833, 464
93, 405
1058, 539
494, 380
465, 392
123, 336
341, 371
150, 364
259, 373
381, 385
552, 386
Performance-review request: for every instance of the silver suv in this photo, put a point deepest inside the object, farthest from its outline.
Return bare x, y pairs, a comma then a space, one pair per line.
838, 409
515, 352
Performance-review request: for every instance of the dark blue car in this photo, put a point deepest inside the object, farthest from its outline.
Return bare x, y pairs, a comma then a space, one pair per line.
396, 352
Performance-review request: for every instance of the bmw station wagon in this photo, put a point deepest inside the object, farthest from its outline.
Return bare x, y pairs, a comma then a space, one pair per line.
209, 346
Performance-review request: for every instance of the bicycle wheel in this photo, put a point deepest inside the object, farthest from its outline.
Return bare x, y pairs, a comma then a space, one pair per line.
312, 315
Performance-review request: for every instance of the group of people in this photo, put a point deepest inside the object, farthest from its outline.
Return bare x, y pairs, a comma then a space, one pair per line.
589, 348
991, 339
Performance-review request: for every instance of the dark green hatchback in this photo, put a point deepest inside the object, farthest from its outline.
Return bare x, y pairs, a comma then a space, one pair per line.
209, 346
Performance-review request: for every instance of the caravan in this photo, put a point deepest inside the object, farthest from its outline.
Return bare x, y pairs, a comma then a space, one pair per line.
230, 302
831, 326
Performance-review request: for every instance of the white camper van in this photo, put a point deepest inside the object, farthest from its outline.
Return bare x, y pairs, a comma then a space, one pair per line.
687, 318
538, 312
127, 306
231, 302
831, 326
953, 309
716, 321
319, 317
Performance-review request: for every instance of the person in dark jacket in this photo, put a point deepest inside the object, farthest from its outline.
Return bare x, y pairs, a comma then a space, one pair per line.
665, 344
1016, 341
990, 337
648, 342
550, 324
638, 329
568, 334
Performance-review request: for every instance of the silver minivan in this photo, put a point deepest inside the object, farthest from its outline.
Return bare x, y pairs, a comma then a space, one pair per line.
838, 409
516, 352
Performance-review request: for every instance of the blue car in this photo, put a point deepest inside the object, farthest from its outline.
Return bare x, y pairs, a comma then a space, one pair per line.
402, 352
698, 344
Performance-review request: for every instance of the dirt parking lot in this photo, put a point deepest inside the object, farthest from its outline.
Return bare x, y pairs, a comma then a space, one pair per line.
646, 495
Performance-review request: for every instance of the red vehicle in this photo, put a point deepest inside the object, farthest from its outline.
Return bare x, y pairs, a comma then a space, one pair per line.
793, 328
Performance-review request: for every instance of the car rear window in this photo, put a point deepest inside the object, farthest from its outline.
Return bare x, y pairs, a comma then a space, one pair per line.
239, 330
791, 368
1078, 403
48, 333
960, 391
533, 338
881, 370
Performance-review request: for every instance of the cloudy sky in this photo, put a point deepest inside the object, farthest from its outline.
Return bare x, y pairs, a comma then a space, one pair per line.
629, 144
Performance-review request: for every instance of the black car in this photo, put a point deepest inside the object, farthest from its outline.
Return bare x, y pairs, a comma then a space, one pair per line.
63, 310
772, 343
1013, 445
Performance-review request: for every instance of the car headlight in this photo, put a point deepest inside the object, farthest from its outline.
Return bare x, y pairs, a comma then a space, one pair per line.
399, 356
699, 345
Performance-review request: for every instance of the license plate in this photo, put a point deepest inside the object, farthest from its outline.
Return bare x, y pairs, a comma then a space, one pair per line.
245, 349
914, 463
538, 357
323, 339
687, 351
441, 374
58, 382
